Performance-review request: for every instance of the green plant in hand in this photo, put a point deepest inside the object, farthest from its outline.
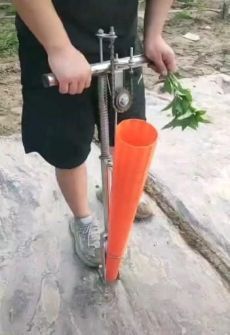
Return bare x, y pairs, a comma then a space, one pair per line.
185, 115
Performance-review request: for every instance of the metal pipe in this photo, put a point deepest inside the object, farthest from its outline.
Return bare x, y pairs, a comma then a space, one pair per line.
49, 79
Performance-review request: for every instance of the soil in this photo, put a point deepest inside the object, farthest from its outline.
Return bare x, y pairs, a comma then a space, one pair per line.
10, 97
211, 54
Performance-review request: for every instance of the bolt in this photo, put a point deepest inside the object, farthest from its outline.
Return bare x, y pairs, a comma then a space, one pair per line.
124, 100
100, 32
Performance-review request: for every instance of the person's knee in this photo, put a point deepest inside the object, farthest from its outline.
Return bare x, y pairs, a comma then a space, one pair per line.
71, 170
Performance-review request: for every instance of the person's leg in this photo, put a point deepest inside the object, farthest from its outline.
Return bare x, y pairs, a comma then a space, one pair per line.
60, 128
84, 228
73, 184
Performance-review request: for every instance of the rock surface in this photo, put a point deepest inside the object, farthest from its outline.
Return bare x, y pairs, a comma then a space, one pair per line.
165, 288
195, 165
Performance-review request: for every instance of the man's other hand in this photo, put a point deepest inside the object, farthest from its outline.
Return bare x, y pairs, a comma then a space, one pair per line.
161, 54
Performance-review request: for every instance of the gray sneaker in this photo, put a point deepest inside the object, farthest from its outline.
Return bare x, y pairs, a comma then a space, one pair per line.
86, 235
144, 209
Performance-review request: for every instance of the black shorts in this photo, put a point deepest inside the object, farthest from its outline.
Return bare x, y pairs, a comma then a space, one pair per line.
61, 127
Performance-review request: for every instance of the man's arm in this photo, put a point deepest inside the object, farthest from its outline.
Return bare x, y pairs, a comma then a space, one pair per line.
42, 19
156, 49
69, 65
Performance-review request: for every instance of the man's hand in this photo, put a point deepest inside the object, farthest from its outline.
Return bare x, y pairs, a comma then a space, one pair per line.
161, 54
71, 69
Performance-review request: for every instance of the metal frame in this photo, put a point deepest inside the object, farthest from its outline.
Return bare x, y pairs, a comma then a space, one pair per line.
49, 79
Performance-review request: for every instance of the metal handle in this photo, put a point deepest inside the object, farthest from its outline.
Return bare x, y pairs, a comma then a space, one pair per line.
125, 63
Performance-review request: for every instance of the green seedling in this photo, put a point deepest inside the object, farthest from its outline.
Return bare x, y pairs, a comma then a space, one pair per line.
184, 114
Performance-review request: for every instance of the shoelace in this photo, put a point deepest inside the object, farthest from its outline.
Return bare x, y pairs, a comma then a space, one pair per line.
91, 232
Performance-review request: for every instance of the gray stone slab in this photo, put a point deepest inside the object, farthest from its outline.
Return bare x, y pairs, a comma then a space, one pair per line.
165, 288
195, 165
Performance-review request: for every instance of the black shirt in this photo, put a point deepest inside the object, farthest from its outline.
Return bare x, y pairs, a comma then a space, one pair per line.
82, 19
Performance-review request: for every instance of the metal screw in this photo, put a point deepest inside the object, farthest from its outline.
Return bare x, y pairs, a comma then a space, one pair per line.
124, 100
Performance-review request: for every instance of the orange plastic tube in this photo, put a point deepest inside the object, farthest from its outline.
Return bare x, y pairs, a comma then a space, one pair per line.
135, 145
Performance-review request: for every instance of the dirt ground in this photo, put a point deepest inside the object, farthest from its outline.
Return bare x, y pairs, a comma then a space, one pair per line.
10, 97
211, 54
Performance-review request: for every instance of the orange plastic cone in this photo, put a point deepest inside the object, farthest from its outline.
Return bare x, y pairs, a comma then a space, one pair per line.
135, 145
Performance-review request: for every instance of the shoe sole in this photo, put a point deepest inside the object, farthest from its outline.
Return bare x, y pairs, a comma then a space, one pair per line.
78, 251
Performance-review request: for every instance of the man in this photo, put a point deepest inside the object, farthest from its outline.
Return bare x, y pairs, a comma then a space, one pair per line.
58, 123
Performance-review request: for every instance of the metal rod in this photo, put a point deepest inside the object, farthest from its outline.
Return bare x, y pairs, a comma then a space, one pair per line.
49, 80
101, 52
106, 162
106, 165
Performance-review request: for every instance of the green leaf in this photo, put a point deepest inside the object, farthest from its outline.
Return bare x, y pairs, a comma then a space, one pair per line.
193, 123
175, 82
171, 124
168, 106
184, 113
168, 87
201, 112
204, 120
178, 109
186, 94
190, 122
186, 106
176, 75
